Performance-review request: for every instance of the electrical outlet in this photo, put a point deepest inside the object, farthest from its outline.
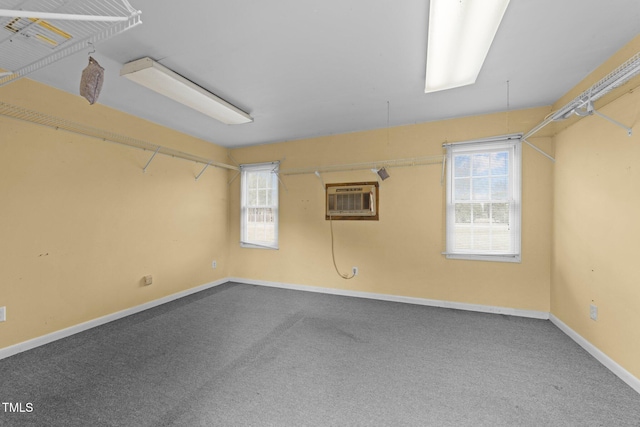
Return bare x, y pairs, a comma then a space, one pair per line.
354, 271
593, 312
214, 264
3, 314
148, 280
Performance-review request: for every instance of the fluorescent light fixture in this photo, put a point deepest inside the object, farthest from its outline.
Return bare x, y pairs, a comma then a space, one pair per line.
460, 35
162, 80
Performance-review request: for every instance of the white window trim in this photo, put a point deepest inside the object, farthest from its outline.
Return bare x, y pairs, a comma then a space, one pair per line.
272, 167
514, 143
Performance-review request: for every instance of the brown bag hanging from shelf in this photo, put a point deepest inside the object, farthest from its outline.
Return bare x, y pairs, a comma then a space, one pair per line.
91, 82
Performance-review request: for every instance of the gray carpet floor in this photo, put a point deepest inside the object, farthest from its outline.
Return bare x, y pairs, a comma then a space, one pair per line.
241, 355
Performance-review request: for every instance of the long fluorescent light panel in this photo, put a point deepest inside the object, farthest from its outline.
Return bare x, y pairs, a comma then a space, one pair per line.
160, 79
460, 35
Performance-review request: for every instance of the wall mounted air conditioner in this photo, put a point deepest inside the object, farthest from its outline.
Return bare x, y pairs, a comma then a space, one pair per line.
352, 201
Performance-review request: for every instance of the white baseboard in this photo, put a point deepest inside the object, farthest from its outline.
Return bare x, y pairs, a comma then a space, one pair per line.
608, 362
63, 333
409, 300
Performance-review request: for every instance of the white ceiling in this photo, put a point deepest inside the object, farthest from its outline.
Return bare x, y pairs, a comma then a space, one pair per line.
305, 68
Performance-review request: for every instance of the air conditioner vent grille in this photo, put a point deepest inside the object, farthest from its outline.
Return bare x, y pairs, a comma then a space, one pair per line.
352, 201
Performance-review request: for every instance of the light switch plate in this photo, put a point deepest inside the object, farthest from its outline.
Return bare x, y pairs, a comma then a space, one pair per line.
3, 314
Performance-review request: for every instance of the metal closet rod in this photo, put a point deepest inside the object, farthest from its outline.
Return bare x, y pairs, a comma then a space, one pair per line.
35, 117
416, 161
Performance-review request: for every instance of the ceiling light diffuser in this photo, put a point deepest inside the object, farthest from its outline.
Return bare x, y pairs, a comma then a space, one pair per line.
160, 79
460, 35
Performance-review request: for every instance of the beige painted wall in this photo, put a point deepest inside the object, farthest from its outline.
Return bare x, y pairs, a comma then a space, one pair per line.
401, 253
596, 228
80, 224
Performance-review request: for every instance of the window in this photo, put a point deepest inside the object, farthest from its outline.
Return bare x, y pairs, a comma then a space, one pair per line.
483, 199
259, 205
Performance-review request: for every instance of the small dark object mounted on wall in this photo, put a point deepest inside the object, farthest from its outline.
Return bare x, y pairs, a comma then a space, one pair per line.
383, 174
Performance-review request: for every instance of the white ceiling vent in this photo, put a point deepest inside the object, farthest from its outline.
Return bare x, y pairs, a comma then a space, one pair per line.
36, 33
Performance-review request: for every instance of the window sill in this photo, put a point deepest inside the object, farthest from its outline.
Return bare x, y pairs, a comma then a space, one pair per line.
515, 258
257, 246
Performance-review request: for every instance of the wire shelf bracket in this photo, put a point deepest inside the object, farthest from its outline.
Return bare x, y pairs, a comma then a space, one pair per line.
202, 171
144, 170
615, 122
539, 150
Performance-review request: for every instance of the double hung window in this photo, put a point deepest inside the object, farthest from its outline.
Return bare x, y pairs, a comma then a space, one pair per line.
484, 200
259, 205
